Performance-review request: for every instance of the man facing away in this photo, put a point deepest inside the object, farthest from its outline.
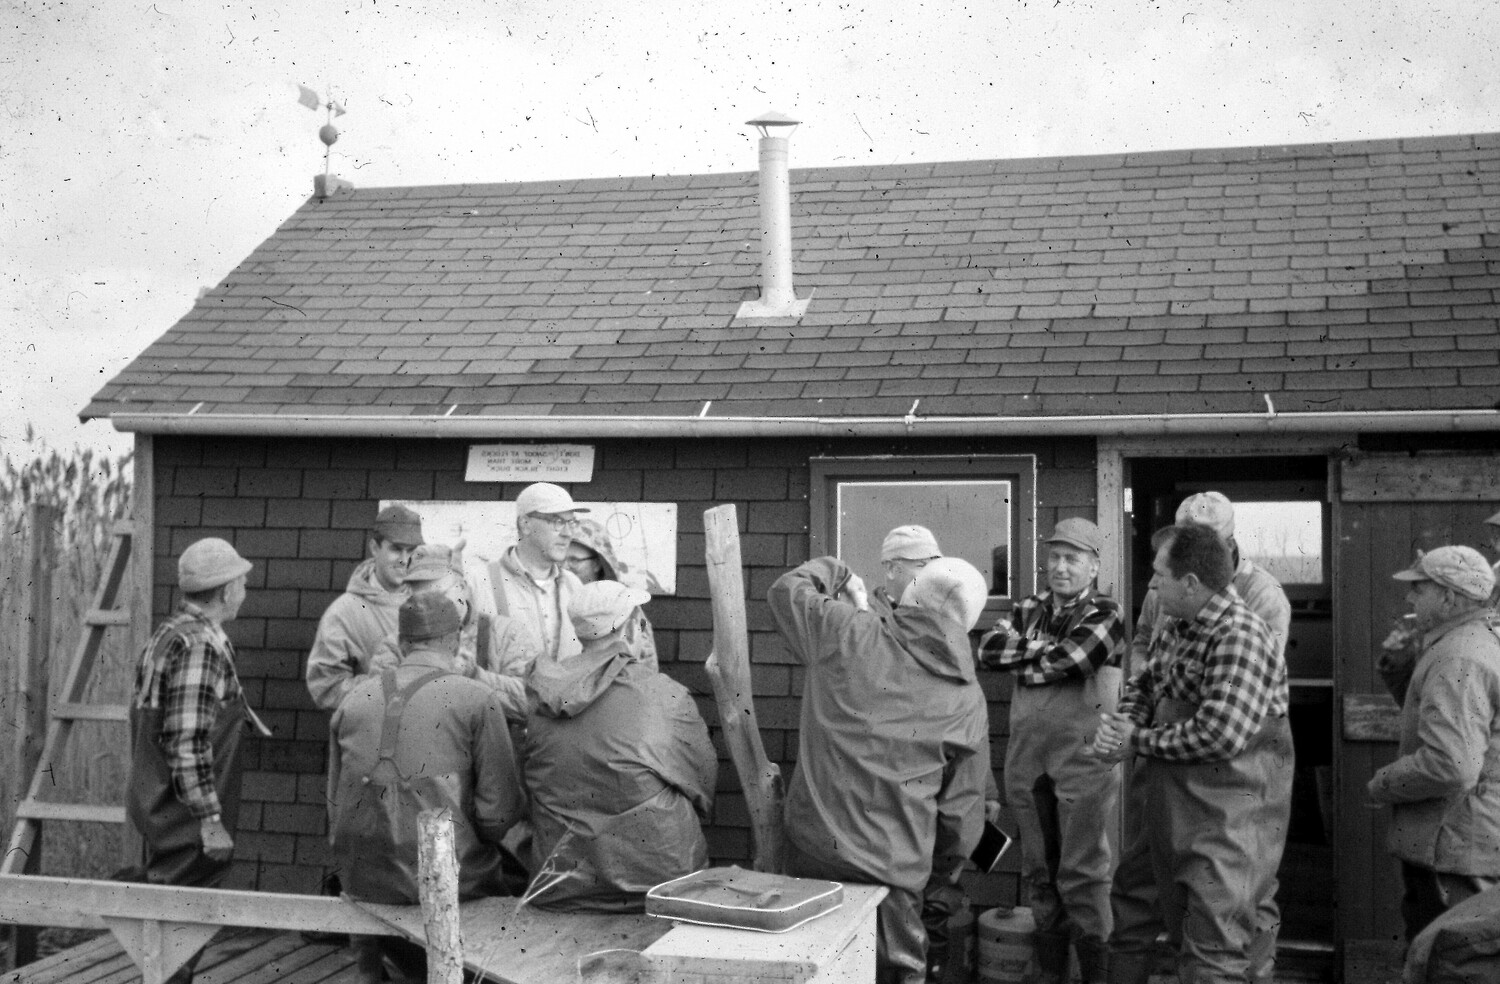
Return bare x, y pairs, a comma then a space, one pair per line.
618, 761
1206, 722
416, 737
1064, 646
894, 743
363, 618
1138, 923
530, 582
186, 718
1444, 787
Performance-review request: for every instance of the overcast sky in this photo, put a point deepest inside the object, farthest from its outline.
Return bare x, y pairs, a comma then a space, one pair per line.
148, 146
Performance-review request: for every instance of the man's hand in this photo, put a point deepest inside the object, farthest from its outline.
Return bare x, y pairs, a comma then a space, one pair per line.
1112, 740
855, 594
217, 843
992, 811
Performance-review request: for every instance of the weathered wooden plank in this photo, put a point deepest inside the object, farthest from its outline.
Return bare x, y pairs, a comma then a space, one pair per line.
86, 812
91, 712
1424, 478
37, 900
1371, 717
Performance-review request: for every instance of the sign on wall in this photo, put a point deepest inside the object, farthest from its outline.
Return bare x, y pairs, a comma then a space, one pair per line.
530, 463
643, 534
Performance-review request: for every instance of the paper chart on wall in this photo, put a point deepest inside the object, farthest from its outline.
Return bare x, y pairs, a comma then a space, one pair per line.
643, 534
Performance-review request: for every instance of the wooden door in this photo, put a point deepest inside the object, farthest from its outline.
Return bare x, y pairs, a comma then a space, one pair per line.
1389, 507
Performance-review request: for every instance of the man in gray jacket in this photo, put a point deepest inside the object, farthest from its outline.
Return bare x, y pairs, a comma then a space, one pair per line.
1444, 789
363, 618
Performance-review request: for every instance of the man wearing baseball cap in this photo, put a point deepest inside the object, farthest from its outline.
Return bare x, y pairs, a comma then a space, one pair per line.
904, 552
1064, 645
894, 745
186, 718
421, 736
363, 618
618, 762
530, 580
1444, 788
1138, 919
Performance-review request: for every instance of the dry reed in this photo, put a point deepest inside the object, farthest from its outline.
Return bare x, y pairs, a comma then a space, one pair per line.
90, 492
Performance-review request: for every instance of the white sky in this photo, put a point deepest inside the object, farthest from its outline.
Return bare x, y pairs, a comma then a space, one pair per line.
146, 147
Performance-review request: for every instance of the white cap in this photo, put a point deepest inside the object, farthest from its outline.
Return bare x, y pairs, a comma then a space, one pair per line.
600, 607
544, 497
1211, 509
951, 587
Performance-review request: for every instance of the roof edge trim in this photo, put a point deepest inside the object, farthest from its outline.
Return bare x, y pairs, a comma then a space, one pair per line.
490, 427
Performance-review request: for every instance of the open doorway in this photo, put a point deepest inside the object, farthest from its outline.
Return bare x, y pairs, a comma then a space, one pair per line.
1282, 523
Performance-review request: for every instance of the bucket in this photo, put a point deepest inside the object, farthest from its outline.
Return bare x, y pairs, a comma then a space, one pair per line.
1005, 945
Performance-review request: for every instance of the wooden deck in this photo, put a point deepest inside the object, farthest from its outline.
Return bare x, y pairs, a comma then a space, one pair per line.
235, 956
259, 956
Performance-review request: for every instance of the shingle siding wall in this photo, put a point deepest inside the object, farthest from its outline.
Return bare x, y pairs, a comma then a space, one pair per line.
300, 510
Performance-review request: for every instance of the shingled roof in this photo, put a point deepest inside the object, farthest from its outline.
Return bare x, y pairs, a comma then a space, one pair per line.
1320, 279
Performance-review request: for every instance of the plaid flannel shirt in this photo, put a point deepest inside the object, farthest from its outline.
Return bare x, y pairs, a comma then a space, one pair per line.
1225, 663
187, 671
1053, 643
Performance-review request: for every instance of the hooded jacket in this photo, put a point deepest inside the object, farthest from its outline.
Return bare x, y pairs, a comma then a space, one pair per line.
621, 773
353, 629
893, 753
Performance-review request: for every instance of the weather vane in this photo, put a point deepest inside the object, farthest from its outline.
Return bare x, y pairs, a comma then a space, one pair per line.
327, 133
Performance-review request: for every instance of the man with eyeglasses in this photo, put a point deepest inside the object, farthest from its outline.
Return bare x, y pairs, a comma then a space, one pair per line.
530, 581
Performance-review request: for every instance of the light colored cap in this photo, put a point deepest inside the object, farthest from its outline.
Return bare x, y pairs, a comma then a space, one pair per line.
1077, 532
1463, 569
1493, 520
951, 587
601, 607
398, 524
427, 615
910, 543
1211, 509
209, 563
429, 562
544, 497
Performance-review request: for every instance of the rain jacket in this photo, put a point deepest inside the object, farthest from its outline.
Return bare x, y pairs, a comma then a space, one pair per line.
541, 605
894, 744
413, 738
621, 773
1444, 789
351, 632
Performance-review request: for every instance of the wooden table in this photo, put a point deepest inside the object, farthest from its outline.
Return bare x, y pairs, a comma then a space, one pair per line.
537, 947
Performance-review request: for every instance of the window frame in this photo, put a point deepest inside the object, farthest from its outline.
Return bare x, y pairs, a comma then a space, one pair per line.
1019, 469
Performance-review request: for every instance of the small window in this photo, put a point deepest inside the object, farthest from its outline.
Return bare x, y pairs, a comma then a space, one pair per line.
979, 508
1284, 538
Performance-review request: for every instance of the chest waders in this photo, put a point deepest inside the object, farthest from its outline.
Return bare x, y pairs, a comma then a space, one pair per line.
172, 844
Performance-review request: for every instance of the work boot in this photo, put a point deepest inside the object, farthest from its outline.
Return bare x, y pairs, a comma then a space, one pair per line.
1051, 951
1093, 960
1130, 967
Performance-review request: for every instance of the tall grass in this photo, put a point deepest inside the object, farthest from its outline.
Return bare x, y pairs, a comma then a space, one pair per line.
90, 492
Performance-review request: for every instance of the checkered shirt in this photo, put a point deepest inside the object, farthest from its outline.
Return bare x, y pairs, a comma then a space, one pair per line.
1056, 642
187, 671
1225, 663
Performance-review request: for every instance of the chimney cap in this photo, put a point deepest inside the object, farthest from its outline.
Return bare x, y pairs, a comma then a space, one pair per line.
772, 117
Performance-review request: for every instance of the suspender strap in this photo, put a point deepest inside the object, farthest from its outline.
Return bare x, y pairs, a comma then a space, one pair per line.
395, 706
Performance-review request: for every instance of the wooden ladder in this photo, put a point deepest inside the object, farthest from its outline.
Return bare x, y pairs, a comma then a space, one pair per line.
22, 854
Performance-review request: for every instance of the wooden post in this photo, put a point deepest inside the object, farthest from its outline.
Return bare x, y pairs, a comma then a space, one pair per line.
728, 669
437, 888
33, 682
